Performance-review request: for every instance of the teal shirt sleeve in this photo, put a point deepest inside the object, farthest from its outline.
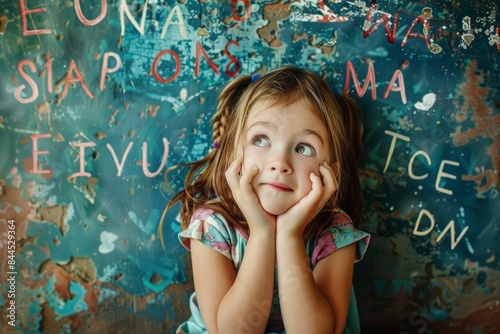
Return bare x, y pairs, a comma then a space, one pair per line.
340, 233
211, 229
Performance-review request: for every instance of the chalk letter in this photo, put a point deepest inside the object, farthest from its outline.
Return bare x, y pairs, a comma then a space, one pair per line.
368, 28
124, 9
425, 29
30, 81
180, 23
177, 66
443, 174
410, 165
24, 23
48, 66
79, 78
233, 60
36, 153
248, 10
200, 50
105, 69
451, 226
370, 77
417, 224
81, 154
147, 173
119, 165
393, 144
398, 75
83, 19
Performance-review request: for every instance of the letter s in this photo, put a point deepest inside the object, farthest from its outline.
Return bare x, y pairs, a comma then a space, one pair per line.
28, 79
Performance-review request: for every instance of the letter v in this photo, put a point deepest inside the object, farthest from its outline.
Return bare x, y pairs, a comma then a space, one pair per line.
119, 165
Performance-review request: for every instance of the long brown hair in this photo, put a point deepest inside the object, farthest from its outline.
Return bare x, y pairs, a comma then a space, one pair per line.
205, 184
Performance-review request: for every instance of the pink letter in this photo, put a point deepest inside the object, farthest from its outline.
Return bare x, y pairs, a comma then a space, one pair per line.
233, 60
48, 66
398, 75
30, 81
368, 28
81, 154
79, 13
177, 66
119, 165
105, 69
145, 162
36, 153
370, 77
79, 78
24, 11
200, 50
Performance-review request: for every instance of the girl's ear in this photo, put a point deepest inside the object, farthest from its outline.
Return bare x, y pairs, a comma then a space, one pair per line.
335, 168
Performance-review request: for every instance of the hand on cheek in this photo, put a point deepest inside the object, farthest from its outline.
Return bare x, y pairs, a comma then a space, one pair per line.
239, 180
295, 219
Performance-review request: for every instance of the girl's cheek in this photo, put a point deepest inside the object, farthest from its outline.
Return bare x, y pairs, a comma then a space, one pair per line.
249, 158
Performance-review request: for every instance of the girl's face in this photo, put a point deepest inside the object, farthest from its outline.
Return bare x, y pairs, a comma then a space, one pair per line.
286, 143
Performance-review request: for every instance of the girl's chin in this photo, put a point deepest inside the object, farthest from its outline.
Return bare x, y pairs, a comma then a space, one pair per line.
275, 210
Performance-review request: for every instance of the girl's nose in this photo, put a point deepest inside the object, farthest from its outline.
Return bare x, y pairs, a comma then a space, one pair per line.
281, 164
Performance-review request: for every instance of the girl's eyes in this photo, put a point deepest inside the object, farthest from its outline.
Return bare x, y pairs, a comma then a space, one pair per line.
260, 141
305, 150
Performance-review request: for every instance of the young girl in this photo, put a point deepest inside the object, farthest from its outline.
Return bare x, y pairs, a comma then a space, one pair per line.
270, 213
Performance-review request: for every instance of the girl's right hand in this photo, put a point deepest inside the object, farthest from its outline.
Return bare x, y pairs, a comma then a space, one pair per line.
240, 183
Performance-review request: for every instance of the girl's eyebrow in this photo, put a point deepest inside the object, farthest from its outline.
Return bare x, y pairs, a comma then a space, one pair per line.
274, 127
314, 133
268, 125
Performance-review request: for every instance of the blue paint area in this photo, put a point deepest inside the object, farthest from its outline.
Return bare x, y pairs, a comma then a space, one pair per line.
71, 306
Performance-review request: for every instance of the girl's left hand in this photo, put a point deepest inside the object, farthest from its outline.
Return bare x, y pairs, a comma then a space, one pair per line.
294, 220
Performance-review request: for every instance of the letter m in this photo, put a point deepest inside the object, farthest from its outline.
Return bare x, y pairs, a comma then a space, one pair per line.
370, 78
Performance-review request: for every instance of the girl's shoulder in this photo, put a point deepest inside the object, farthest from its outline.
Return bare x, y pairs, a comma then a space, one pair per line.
205, 219
340, 218
340, 233
213, 230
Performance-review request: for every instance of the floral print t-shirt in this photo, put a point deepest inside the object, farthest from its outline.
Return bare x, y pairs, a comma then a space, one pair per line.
212, 229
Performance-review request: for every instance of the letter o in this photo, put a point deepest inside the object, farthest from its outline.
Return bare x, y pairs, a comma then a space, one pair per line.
177, 66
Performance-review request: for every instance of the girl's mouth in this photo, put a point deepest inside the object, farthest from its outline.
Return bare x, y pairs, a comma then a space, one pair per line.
280, 186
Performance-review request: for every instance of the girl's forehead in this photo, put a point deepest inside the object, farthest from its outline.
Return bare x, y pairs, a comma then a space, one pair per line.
267, 108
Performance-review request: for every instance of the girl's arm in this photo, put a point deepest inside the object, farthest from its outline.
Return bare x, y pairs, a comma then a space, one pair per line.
241, 303
313, 302
231, 303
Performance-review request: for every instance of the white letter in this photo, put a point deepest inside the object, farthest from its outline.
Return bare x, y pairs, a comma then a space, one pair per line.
393, 143
182, 27
451, 226
410, 165
124, 8
428, 214
443, 174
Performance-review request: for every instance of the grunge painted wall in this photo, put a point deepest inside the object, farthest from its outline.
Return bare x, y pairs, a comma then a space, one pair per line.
98, 98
